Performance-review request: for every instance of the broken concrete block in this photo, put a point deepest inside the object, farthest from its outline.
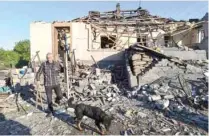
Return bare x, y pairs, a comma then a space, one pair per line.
115, 88
113, 95
166, 129
178, 108
109, 99
30, 114
168, 97
163, 89
144, 93
82, 83
154, 98
94, 92
104, 90
177, 133
155, 86
78, 89
98, 71
144, 87
111, 109
128, 113
162, 104
102, 100
193, 69
92, 87
141, 114
134, 93
113, 100
90, 93
109, 95
120, 116
174, 121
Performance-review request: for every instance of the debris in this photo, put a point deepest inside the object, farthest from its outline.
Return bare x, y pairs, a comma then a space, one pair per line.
60, 111
92, 87
154, 97
128, 113
162, 104
168, 97
166, 129
70, 109
194, 69
30, 114
141, 114
163, 89
174, 121
98, 73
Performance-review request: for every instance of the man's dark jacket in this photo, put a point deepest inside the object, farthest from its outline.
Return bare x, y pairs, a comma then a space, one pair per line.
50, 72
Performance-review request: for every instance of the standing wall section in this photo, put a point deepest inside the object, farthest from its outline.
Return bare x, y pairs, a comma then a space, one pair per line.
40, 39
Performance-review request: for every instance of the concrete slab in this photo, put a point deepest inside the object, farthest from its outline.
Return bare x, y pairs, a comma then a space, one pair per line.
187, 55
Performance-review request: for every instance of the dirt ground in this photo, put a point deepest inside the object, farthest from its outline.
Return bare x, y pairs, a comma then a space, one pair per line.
150, 122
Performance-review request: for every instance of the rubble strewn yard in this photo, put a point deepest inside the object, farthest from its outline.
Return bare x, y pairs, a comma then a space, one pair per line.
147, 71
175, 103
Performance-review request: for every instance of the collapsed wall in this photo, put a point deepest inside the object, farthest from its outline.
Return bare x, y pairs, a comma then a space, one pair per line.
140, 61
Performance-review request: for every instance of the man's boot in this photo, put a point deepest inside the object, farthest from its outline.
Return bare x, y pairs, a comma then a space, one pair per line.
51, 111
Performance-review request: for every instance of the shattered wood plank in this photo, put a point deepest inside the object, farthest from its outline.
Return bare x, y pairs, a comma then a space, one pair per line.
184, 85
195, 25
94, 61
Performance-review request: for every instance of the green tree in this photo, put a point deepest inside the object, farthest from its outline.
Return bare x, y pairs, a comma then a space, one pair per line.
23, 49
8, 57
18, 57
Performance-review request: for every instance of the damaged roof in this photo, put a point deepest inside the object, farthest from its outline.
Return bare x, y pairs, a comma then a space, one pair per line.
134, 18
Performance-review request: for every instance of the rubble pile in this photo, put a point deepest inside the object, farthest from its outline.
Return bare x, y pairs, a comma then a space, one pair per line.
163, 95
93, 87
176, 103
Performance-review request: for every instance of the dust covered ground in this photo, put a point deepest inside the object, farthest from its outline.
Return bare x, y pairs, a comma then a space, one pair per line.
158, 107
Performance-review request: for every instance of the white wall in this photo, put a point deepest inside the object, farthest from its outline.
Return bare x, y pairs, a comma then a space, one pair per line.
81, 40
187, 38
158, 35
40, 39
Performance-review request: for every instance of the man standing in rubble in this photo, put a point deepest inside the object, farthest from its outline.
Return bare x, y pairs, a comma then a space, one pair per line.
50, 70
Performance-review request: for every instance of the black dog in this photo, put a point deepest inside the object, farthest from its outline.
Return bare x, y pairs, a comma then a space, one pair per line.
92, 112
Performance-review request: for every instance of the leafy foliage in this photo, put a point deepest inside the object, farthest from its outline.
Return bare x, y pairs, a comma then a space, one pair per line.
23, 49
17, 57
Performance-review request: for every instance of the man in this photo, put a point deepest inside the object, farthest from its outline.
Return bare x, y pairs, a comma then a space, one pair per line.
50, 70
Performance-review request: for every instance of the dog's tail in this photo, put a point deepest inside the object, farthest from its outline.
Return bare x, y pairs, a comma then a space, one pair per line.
70, 103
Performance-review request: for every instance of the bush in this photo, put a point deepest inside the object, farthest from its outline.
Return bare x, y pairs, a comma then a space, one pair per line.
17, 57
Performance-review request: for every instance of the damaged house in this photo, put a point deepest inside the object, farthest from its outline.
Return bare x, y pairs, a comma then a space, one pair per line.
105, 35
151, 75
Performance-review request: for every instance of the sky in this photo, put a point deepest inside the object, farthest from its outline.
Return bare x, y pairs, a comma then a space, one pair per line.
15, 17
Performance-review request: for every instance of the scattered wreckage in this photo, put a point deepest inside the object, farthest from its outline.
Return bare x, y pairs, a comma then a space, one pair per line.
174, 99
167, 97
